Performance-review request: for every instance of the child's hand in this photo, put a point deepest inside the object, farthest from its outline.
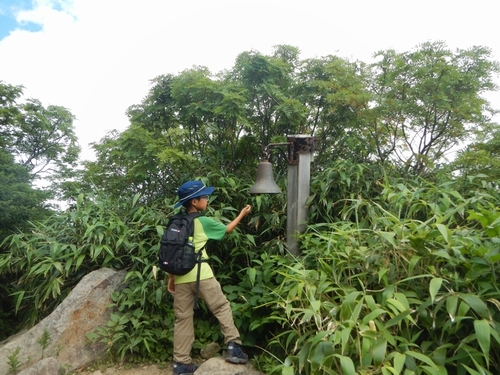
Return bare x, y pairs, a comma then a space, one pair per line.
171, 284
246, 210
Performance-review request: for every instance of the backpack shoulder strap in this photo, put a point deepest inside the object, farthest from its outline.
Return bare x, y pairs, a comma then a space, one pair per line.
191, 218
199, 260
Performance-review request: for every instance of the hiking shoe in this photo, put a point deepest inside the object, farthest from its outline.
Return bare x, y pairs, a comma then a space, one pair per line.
185, 369
235, 354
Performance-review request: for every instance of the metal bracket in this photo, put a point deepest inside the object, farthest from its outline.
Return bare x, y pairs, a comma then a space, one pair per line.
296, 145
300, 144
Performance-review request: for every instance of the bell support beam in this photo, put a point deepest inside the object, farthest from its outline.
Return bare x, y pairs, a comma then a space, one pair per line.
300, 155
298, 182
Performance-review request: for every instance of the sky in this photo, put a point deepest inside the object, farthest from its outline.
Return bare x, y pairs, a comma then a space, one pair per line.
97, 57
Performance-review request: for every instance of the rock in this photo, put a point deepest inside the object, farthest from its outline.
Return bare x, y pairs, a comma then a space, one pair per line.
84, 309
210, 351
219, 366
47, 366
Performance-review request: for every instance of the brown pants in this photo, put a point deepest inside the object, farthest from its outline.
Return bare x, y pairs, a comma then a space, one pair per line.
217, 303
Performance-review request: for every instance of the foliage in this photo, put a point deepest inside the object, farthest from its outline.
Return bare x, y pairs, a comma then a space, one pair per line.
403, 280
428, 101
19, 200
389, 293
143, 322
336, 96
34, 141
59, 251
13, 361
340, 183
398, 272
480, 157
407, 109
41, 139
135, 162
100, 231
44, 340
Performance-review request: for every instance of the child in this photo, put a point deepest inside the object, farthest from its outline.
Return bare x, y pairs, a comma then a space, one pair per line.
193, 196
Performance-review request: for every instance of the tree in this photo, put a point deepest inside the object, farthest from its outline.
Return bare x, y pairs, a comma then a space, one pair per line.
335, 94
8, 110
428, 101
43, 139
19, 201
197, 114
408, 109
35, 143
267, 83
481, 157
135, 162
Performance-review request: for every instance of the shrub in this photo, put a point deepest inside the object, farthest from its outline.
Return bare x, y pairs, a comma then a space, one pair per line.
382, 291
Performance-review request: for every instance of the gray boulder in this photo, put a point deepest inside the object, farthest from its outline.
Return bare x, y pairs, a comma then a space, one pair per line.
219, 366
47, 366
84, 309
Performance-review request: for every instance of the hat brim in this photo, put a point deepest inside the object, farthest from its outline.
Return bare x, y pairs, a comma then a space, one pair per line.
207, 190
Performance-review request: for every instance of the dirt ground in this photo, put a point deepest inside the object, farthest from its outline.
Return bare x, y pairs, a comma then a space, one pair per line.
166, 368
128, 369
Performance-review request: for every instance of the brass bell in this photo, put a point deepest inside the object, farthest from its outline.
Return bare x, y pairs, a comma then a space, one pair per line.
264, 183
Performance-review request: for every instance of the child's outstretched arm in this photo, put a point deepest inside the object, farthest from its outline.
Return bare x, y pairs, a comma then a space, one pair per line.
244, 212
171, 284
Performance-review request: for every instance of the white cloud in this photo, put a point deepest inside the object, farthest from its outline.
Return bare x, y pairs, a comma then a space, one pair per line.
96, 57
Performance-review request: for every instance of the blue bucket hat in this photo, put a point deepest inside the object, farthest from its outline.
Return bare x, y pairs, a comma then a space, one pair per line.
192, 189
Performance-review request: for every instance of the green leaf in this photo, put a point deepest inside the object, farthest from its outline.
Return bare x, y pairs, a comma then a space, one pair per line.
322, 353
381, 273
346, 364
472, 371
397, 318
146, 344
389, 237
136, 198
482, 328
413, 262
18, 298
444, 232
399, 362
439, 355
366, 347
422, 357
258, 200
432, 370
79, 261
251, 239
434, 287
379, 351
451, 306
252, 272
476, 304
303, 355
346, 335
398, 305
159, 230
388, 370
159, 296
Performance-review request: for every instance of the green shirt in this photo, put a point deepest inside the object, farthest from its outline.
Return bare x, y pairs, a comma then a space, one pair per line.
205, 229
